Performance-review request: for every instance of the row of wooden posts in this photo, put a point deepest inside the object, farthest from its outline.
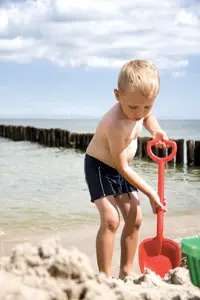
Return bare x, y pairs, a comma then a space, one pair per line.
55, 137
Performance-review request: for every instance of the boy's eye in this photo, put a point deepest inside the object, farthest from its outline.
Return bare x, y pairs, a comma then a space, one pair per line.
147, 107
133, 107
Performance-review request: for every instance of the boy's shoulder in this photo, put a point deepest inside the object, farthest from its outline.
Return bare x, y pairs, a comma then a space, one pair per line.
112, 118
112, 122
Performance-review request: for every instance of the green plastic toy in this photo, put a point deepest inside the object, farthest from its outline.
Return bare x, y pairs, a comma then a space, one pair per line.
191, 248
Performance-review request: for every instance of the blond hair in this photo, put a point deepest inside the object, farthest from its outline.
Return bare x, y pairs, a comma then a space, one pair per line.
139, 75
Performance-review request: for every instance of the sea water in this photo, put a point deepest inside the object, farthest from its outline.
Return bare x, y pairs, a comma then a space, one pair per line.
43, 189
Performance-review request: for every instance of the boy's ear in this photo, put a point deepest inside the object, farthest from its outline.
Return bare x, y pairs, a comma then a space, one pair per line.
116, 92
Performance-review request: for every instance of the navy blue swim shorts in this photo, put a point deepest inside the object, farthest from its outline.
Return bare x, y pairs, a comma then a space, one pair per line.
103, 180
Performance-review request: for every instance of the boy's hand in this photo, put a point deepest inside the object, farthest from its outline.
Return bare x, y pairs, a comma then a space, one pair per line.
158, 136
155, 202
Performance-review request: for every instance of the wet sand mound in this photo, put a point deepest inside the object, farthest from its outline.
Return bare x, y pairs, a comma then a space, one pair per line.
50, 272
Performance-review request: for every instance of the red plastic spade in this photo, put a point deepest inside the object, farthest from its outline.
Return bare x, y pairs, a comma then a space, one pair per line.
160, 254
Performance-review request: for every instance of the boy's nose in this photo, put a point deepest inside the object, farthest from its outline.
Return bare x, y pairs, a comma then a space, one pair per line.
139, 116
139, 111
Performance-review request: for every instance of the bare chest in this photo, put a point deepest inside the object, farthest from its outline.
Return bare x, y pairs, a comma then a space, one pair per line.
132, 132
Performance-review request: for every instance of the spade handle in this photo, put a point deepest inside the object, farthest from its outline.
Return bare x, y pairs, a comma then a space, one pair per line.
161, 168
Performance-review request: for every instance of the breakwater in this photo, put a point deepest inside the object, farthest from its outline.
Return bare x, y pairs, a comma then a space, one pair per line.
56, 137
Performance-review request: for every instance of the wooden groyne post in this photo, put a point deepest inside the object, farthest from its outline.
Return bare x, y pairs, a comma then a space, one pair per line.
180, 151
197, 153
190, 152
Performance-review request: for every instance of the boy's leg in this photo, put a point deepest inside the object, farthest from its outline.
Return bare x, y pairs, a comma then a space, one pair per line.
110, 220
132, 215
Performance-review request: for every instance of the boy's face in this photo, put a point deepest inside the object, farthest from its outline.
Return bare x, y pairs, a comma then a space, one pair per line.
134, 105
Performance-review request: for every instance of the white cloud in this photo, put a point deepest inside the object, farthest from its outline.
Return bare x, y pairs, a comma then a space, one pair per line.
178, 74
3, 21
96, 34
187, 18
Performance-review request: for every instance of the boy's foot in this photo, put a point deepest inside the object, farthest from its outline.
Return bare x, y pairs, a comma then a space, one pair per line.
131, 275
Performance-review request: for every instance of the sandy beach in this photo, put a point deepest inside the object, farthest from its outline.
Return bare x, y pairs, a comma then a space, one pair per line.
50, 269
83, 238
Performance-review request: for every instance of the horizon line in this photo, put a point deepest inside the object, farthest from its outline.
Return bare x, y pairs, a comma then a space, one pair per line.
86, 118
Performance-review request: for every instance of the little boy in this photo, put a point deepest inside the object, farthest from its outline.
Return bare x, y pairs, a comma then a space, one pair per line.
112, 183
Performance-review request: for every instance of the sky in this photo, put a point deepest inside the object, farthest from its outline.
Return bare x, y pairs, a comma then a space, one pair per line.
61, 58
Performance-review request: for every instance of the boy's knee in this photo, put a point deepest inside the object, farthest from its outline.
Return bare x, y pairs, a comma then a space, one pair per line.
138, 222
134, 224
111, 224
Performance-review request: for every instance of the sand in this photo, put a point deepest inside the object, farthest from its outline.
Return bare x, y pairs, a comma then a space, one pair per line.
83, 237
51, 272
62, 265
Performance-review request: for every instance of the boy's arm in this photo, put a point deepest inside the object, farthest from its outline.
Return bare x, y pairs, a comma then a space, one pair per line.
118, 150
152, 125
